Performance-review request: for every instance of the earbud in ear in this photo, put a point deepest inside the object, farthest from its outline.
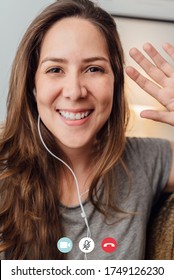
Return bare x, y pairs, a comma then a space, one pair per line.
34, 92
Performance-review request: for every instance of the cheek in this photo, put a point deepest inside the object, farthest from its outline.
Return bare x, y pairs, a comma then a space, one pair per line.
46, 94
106, 96
46, 89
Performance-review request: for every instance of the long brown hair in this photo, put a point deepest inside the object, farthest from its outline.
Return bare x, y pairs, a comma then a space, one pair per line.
30, 222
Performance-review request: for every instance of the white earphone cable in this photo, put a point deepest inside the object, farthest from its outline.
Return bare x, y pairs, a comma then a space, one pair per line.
83, 214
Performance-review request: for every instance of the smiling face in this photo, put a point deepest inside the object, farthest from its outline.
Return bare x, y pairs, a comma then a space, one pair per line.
74, 82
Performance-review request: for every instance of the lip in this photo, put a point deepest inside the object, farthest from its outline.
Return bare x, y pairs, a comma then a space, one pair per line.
75, 122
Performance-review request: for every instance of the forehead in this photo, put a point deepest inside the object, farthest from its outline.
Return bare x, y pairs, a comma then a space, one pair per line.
71, 33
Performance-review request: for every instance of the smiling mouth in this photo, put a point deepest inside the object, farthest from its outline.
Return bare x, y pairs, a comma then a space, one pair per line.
74, 116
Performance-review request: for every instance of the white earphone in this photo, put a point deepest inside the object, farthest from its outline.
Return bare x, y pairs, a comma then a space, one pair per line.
83, 214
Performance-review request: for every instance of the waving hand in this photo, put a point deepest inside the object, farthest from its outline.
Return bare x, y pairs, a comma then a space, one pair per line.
161, 82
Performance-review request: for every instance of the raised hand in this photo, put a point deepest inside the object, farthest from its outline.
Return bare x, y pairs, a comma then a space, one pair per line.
161, 82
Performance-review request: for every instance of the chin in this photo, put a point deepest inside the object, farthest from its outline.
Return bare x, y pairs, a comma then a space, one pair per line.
75, 144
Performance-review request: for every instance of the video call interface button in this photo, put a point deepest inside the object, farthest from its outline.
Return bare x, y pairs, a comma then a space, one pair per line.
64, 245
86, 245
109, 245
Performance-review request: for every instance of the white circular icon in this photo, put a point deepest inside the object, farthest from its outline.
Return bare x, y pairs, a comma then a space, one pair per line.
86, 245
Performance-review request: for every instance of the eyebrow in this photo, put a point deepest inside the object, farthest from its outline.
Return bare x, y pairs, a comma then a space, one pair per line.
96, 58
86, 60
54, 59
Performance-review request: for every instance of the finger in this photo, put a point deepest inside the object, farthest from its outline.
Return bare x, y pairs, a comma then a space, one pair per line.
169, 49
162, 95
160, 62
159, 116
147, 85
154, 72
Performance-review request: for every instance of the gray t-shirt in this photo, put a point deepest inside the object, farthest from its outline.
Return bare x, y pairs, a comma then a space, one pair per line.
149, 162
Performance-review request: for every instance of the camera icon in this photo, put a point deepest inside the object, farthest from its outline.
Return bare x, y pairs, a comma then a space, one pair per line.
64, 245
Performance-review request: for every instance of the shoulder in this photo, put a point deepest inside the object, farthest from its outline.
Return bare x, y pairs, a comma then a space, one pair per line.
139, 142
148, 148
151, 157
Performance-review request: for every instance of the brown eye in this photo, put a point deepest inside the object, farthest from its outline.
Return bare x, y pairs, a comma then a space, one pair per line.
95, 69
54, 70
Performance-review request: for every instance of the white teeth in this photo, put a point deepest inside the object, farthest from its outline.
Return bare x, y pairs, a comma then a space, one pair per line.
74, 116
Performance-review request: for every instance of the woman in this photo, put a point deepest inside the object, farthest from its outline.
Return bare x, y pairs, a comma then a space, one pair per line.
67, 168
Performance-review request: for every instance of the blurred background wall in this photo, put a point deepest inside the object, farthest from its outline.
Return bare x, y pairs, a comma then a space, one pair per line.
15, 16
144, 21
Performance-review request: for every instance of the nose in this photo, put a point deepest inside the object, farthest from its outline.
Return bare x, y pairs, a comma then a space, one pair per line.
74, 88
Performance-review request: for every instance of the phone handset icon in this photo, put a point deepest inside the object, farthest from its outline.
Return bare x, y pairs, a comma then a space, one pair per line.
109, 245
